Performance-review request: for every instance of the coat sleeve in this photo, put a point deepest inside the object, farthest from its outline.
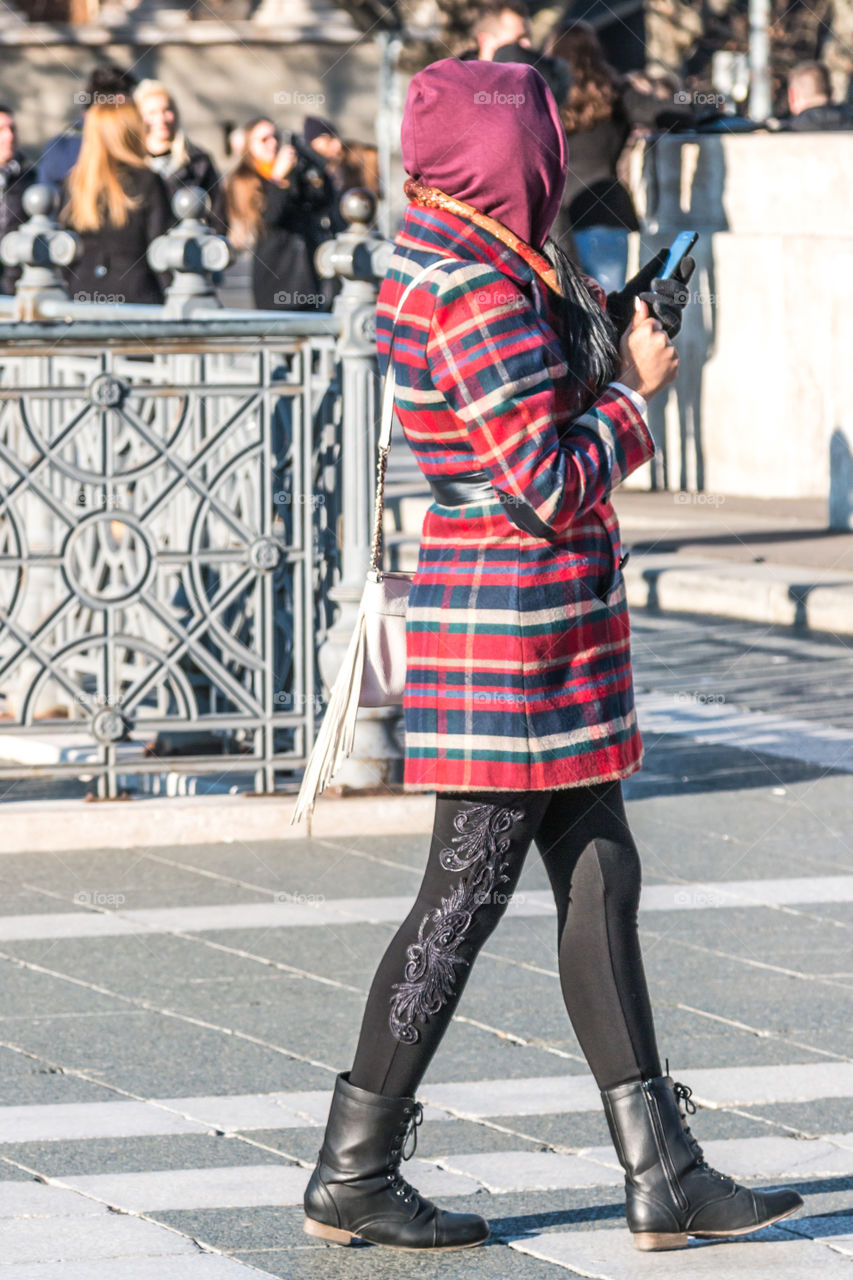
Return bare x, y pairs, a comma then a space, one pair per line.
488, 356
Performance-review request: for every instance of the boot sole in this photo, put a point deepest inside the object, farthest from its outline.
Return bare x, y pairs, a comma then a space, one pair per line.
649, 1241
335, 1235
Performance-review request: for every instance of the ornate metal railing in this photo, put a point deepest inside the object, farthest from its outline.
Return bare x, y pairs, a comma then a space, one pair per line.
173, 544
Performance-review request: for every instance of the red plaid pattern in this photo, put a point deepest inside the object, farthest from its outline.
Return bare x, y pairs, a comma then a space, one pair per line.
518, 644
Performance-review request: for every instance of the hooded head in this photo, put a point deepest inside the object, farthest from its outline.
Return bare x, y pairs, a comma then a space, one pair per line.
488, 133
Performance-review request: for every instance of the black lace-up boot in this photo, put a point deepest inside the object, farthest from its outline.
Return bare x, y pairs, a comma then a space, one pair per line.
356, 1189
671, 1192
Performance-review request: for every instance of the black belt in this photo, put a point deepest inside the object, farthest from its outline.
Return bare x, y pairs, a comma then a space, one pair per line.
475, 486
467, 486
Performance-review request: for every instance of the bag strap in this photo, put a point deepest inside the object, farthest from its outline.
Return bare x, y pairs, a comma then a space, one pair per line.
383, 443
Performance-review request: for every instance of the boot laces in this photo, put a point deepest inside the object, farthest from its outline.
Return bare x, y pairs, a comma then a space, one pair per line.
396, 1181
684, 1096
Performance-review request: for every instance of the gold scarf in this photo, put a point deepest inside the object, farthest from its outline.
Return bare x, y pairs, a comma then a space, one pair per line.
434, 198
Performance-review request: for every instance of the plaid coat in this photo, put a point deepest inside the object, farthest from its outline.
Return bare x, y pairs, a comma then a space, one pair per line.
518, 649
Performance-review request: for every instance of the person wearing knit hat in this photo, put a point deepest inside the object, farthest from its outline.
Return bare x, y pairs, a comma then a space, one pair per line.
525, 407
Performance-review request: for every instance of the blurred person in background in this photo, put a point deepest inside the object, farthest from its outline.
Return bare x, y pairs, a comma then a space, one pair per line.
597, 208
179, 162
554, 71
326, 175
324, 141
360, 167
16, 174
109, 85
117, 206
500, 23
810, 101
271, 210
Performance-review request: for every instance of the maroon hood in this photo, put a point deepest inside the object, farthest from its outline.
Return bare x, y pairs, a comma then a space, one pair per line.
488, 133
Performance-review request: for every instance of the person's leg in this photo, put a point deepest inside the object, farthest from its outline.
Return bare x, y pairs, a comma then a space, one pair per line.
594, 869
478, 847
671, 1192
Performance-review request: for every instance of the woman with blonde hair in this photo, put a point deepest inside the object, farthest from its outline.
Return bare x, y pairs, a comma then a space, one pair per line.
179, 162
117, 206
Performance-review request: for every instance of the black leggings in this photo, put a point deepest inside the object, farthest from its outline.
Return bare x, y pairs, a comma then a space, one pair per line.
479, 843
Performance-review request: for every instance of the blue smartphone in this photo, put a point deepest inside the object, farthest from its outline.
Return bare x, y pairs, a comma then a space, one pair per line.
680, 247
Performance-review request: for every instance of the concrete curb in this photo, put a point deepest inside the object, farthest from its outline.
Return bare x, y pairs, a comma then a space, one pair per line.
45, 826
779, 595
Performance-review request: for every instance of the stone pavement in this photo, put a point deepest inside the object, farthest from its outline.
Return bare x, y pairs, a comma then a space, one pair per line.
173, 1016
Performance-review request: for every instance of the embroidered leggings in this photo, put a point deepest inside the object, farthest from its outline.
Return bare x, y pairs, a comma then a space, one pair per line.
478, 847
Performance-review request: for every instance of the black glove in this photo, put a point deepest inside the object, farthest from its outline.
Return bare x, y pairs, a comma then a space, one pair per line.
666, 299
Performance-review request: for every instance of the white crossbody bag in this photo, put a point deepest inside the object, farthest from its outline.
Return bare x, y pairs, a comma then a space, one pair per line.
373, 672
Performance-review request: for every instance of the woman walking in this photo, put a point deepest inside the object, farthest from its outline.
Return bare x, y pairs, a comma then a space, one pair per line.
525, 409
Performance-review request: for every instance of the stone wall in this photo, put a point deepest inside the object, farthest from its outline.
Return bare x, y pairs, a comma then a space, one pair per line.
764, 396
217, 78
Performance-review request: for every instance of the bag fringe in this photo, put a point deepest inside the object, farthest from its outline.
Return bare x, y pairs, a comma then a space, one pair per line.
334, 742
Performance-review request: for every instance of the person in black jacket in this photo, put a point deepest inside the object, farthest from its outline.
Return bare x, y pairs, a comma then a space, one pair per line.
597, 208
16, 174
810, 101
117, 206
179, 162
106, 84
271, 214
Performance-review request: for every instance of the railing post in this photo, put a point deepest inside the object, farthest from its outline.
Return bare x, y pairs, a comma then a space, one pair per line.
360, 256
194, 253
39, 246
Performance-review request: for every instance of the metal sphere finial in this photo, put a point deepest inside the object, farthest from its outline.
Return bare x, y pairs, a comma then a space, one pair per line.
40, 200
358, 206
190, 202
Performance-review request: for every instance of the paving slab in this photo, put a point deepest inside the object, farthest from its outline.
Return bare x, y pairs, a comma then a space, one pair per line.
85, 1156
508, 1171
267, 1184
38, 1200
61, 1122
93, 1236
201, 1267
610, 1255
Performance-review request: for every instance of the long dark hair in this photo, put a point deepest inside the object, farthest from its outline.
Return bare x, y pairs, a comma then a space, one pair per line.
595, 86
588, 334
